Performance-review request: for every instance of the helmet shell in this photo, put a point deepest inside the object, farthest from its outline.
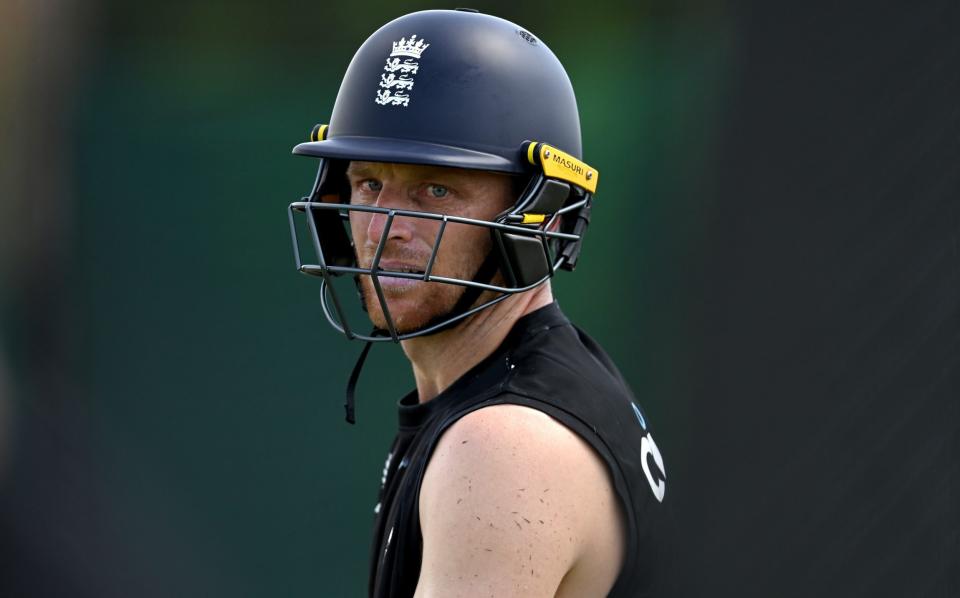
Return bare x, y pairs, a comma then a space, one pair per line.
466, 91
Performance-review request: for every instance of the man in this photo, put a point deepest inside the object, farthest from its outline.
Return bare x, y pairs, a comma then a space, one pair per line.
522, 466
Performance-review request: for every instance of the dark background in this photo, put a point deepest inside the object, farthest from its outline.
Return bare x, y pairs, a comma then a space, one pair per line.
773, 262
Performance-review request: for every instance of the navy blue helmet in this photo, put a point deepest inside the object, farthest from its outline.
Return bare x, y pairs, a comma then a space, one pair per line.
460, 89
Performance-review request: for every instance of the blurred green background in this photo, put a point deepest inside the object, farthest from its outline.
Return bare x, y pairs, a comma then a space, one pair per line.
772, 262
172, 393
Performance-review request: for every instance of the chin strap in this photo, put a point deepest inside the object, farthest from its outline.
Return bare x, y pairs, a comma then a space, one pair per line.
350, 405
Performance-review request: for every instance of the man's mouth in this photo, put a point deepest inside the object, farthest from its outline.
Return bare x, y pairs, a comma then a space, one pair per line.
389, 266
406, 270
397, 284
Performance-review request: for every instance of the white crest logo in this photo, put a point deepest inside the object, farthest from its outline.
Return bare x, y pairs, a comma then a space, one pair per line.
397, 78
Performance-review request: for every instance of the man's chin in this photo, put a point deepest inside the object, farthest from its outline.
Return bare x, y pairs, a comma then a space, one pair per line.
412, 307
404, 320
408, 310
413, 304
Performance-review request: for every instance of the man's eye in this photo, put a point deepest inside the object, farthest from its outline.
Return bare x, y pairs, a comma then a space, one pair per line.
371, 185
437, 191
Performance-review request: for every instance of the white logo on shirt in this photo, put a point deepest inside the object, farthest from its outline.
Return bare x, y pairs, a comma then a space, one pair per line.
648, 448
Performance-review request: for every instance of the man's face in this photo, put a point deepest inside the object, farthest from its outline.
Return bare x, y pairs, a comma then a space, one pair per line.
450, 191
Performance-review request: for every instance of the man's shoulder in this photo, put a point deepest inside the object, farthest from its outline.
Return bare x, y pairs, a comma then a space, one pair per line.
521, 428
516, 452
508, 477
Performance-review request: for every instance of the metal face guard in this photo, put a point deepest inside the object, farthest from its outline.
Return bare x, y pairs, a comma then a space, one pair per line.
527, 245
331, 302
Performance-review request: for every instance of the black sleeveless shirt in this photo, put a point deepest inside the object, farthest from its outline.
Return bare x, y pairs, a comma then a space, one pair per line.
547, 364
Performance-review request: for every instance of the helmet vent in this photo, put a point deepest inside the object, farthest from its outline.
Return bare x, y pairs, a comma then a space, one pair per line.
527, 36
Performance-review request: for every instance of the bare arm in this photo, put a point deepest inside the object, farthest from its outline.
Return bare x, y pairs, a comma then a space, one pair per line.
515, 504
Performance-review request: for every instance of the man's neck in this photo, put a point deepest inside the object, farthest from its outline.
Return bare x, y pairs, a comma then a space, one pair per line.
440, 359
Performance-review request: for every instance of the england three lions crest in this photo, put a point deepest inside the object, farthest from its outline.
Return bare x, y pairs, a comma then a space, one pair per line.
397, 78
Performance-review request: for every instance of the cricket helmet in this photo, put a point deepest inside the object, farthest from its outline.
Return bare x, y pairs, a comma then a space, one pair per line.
460, 89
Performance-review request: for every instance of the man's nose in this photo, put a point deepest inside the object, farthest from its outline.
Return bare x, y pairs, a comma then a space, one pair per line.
391, 197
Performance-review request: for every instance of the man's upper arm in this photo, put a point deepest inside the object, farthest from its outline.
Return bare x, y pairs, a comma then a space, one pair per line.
507, 505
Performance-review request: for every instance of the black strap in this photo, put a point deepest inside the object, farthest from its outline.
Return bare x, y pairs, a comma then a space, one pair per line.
350, 405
